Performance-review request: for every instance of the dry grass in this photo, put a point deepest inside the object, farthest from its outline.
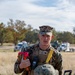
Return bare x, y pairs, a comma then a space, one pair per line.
69, 61
8, 44
7, 60
72, 45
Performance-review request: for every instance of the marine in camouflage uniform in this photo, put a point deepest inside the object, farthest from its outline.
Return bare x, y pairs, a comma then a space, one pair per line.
36, 51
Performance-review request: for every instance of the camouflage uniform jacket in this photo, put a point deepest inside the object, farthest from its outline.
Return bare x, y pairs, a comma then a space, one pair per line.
35, 50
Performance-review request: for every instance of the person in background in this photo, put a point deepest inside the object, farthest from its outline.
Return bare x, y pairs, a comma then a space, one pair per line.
38, 54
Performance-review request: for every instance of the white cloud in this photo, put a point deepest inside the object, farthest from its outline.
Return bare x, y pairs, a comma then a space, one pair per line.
61, 16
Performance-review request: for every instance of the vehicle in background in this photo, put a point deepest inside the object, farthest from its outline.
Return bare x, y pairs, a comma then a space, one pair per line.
19, 46
55, 44
72, 49
64, 47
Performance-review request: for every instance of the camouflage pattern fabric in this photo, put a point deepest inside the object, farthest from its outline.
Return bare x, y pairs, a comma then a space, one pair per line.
45, 30
45, 69
56, 60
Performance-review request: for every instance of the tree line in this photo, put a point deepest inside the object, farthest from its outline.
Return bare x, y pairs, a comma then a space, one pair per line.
18, 30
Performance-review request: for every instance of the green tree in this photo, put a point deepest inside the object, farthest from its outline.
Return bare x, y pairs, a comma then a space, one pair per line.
18, 30
65, 37
68, 37
8, 35
74, 33
54, 35
31, 36
2, 33
59, 36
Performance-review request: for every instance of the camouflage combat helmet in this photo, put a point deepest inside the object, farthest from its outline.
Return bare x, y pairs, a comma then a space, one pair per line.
45, 69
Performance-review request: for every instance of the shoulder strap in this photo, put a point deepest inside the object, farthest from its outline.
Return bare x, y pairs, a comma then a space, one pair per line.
49, 56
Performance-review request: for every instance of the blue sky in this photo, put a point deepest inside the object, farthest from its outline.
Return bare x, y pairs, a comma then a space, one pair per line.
59, 14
